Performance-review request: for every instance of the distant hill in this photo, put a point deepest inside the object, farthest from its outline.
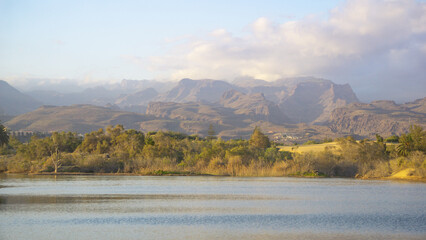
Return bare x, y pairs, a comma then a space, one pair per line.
313, 102
75, 118
138, 101
305, 99
289, 110
97, 96
383, 117
189, 118
13, 102
418, 106
196, 112
299, 100
254, 106
104, 94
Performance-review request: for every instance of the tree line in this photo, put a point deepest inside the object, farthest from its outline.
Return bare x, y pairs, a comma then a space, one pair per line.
117, 150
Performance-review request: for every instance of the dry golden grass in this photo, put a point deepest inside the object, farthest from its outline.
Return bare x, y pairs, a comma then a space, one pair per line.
311, 147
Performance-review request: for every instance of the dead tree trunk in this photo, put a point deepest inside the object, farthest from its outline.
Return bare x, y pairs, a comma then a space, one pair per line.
56, 160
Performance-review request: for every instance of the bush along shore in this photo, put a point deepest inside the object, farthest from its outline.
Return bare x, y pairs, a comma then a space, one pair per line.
119, 151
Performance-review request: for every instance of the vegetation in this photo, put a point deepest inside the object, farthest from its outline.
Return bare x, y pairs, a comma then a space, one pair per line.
116, 150
4, 137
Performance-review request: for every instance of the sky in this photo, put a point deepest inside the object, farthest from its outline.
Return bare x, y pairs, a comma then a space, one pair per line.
377, 46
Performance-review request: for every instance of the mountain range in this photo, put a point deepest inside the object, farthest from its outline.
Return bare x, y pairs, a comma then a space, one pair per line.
292, 109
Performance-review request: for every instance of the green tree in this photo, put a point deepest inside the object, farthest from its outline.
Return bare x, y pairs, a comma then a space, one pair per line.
392, 139
95, 142
379, 138
129, 142
419, 138
414, 140
4, 137
259, 140
61, 142
405, 145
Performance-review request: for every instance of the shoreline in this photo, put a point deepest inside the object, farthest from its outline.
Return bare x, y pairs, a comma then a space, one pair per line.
413, 179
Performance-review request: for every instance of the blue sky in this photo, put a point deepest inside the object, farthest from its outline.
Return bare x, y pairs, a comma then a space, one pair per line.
79, 39
104, 41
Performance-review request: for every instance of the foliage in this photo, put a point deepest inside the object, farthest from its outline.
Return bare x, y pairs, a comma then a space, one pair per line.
116, 150
309, 142
259, 140
114, 141
414, 140
392, 139
4, 137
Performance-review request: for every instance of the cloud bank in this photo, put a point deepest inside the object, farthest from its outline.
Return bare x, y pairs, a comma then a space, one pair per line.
378, 46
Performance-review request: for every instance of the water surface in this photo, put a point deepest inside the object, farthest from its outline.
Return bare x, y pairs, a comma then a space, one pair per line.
142, 207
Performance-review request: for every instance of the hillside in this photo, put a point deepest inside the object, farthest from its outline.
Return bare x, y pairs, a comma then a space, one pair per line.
137, 102
311, 101
75, 118
418, 106
289, 110
207, 113
383, 117
139, 98
13, 102
189, 118
304, 99
298, 100
291, 100
254, 106
194, 118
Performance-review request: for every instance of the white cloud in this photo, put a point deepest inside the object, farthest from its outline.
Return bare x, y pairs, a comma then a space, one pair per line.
371, 38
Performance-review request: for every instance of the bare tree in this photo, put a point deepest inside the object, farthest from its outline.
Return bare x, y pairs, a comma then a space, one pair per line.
56, 160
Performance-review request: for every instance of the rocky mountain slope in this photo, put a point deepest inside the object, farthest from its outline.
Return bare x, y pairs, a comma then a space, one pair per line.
284, 108
297, 100
313, 102
418, 106
307, 99
301, 100
255, 106
189, 118
196, 111
383, 117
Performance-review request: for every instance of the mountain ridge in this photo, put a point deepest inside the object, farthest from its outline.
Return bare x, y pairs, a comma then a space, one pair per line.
327, 108
14, 102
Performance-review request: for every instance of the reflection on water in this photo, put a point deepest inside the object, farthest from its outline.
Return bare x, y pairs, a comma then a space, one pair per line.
134, 207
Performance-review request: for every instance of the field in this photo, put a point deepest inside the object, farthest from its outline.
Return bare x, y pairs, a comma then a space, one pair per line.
320, 147
310, 147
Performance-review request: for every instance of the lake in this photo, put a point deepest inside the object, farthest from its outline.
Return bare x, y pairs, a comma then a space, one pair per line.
200, 207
